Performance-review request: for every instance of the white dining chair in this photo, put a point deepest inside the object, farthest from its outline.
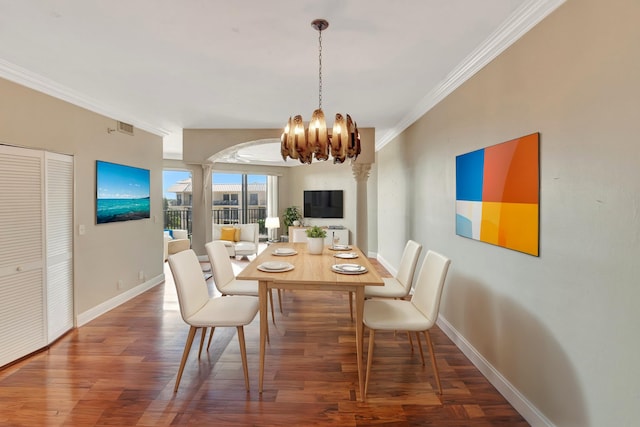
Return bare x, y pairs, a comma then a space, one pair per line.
198, 310
398, 286
225, 279
418, 314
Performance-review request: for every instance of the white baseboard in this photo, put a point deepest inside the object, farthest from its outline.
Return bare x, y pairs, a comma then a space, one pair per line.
520, 403
391, 269
100, 309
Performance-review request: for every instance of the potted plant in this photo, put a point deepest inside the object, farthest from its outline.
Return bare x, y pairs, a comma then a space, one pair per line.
292, 216
315, 239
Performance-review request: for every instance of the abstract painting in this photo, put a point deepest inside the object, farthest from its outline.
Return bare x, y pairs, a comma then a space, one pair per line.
122, 192
497, 194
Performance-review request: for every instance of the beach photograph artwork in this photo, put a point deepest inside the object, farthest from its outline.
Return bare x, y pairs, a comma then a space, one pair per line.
122, 193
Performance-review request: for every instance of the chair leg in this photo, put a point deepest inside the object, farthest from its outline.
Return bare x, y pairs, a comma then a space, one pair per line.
280, 300
369, 360
185, 354
243, 354
204, 334
410, 340
210, 338
433, 360
420, 347
351, 305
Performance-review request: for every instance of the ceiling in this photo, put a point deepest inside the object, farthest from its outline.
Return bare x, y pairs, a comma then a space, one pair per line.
165, 65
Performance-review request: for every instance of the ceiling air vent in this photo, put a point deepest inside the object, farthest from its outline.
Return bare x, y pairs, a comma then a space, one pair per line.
125, 128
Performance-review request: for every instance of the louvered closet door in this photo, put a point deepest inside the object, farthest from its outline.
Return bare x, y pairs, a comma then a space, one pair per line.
59, 232
22, 293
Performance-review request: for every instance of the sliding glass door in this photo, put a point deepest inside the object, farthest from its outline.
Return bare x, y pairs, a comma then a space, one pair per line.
177, 199
239, 199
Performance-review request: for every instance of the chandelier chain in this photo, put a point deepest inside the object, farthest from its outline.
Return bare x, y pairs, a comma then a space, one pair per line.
320, 69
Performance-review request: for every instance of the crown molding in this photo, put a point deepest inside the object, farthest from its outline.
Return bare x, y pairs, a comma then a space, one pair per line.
520, 22
47, 86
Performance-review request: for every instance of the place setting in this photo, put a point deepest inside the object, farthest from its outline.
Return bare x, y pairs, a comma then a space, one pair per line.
349, 268
284, 252
346, 255
275, 266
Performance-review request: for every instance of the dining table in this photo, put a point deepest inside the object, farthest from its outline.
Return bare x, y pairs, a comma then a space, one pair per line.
291, 266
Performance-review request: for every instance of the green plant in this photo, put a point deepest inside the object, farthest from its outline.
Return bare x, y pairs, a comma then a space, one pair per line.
292, 213
316, 231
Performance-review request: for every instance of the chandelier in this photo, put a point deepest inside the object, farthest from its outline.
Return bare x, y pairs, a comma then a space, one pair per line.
303, 143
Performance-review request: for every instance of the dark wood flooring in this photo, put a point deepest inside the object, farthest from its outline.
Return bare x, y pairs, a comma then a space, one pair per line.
120, 369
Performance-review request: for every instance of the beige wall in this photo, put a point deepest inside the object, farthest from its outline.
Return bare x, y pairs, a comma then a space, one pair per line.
107, 252
562, 328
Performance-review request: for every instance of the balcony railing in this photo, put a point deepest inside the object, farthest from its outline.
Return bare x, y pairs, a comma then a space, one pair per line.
178, 220
182, 219
234, 216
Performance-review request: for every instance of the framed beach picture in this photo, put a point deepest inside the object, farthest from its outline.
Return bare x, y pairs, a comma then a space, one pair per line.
122, 193
498, 194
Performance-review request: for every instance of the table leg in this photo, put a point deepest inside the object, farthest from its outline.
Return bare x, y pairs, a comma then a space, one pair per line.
359, 337
262, 296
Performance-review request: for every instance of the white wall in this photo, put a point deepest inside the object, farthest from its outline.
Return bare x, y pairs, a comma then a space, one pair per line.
106, 253
325, 176
561, 328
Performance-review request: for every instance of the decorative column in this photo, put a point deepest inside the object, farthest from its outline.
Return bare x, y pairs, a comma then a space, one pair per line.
361, 175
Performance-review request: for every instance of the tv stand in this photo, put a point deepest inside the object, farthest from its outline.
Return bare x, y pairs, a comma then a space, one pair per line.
298, 234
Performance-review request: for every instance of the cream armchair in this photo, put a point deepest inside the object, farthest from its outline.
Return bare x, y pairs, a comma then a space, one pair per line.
239, 239
178, 243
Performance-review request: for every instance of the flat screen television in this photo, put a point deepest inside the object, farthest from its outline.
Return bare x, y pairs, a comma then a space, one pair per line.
323, 204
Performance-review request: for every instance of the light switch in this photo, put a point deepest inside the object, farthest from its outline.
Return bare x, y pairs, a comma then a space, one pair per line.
81, 229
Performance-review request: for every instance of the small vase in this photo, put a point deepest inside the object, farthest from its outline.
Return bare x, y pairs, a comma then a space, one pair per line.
315, 245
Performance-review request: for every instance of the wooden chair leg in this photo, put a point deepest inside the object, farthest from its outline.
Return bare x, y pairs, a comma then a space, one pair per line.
351, 305
204, 334
420, 347
280, 300
369, 360
410, 340
210, 338
185, 354
243, 354
433, 360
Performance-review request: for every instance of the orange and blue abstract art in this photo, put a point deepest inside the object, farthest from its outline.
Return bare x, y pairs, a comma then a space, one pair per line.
498, 194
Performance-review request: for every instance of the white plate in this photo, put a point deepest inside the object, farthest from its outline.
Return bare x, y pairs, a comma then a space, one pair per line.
348, 268
268, 270
340, 247
284, 252
275, 265
349, 255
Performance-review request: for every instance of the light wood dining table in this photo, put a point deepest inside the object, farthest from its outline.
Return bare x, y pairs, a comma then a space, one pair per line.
312, 272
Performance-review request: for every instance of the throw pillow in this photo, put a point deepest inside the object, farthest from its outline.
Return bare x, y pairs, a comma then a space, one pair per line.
227, 233
236, 237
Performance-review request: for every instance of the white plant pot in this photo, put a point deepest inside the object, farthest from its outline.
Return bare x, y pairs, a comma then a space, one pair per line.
315, 245
296, 223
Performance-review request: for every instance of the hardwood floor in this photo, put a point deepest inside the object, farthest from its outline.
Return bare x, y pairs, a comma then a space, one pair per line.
120, 369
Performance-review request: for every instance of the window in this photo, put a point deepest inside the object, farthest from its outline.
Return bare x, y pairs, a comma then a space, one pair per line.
239, 198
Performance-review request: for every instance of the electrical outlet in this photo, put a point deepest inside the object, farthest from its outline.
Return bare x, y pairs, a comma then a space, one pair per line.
120, 284
141, 275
